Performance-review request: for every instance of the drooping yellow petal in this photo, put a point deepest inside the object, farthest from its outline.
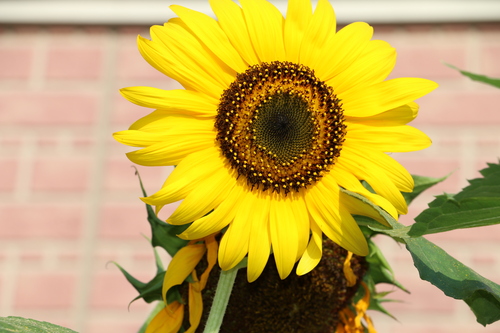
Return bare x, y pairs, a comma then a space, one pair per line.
174, 101
383, 96
233, 24
259, 245
265, 27
320, 29
348, 273
181, 265
208, 31
313, 253
298, 15
212, 247
168, 320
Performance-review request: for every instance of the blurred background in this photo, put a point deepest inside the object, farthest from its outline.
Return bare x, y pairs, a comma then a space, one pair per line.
68, 195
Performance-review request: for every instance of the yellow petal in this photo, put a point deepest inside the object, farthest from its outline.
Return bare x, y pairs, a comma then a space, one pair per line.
336, 223
289, 229
376, 177
139, 138
186, 72
313, 253
216, 220
208, 31
265, 27
234, 243
208, 195
383, 96
178, 145
373, 65
297, 20
187, 176
174, 101
212, 247
357, 207
259, 245
189, 54
321, 28
347, 180
168, 320
395, 171
341, 50
387, 139
182, 264
195, 306
401, 115
233, 24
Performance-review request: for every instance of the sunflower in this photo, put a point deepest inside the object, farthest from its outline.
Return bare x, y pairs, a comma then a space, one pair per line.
276, 116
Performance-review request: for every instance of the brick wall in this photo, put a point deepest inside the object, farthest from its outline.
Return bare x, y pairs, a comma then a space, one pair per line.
69, 198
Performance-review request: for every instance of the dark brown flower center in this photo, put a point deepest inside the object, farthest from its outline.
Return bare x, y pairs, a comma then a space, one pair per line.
279, 126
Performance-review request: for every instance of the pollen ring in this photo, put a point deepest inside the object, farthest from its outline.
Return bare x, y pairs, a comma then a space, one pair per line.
279, 126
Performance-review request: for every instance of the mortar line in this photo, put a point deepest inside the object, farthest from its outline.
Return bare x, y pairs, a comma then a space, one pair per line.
88, 245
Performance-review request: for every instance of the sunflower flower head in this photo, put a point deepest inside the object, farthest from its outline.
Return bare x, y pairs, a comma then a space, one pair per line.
277, 115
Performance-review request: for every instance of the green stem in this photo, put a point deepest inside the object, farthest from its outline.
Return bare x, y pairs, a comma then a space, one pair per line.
221, 299
153, 313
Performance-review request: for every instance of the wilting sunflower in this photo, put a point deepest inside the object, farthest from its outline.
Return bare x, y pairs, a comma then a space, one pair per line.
276, 116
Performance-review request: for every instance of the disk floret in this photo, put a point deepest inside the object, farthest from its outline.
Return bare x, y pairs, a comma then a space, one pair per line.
279, 126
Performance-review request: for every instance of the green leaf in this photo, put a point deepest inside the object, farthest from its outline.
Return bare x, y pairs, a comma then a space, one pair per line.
455, 279
164, 235
379, 268
150, 291
477, 205
421, 184
480, 78
24, 325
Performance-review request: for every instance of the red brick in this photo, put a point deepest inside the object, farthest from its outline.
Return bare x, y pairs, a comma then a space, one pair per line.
112, 290
124, 221
74, 63
433, 167
489, 60
427, 62
481, 234
424, 298
49, 108
52, 290
131, 65
40, 221
125, 113
448, 108
61, 174
120, 175
15, 63
8, 175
